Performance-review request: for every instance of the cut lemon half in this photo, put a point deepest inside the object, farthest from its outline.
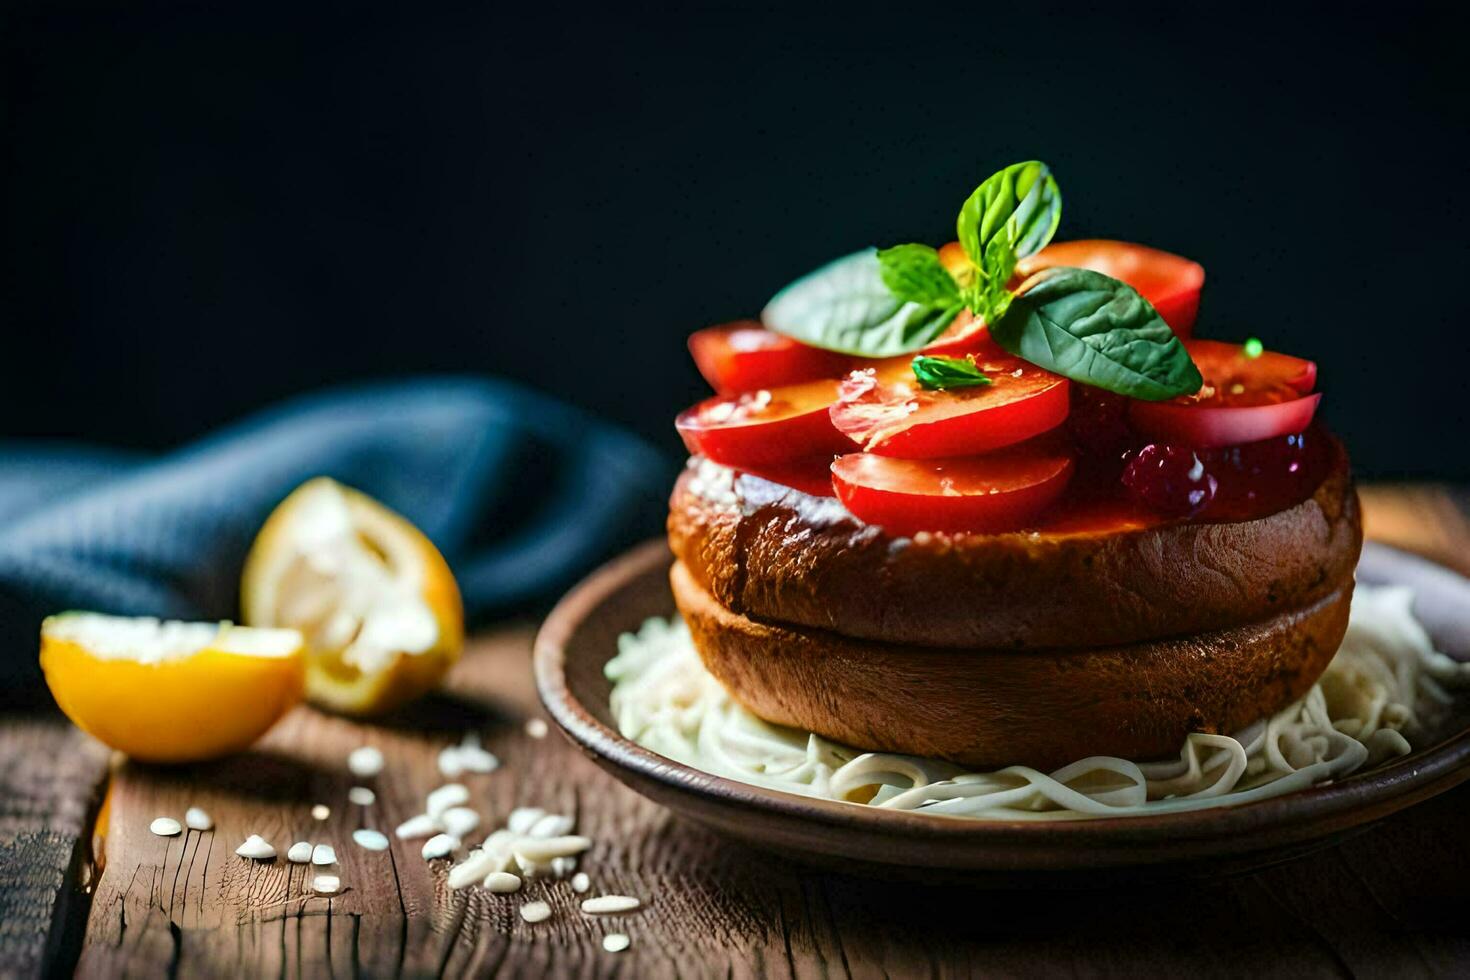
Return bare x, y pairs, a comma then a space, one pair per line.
170, 691
375, 600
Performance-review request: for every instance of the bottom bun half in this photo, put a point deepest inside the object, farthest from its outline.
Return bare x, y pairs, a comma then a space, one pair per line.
993, 708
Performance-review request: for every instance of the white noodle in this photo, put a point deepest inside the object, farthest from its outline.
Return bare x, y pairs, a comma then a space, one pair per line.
1385, 688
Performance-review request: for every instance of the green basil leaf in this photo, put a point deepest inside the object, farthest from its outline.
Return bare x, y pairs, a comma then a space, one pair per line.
1020, 206
948, 372
914, 274
846, 306
1096, 330
989, 295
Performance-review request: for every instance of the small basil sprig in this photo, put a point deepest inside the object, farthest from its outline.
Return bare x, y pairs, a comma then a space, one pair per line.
1011, 215
948, 372
1094, 329
1083, 325
877, 304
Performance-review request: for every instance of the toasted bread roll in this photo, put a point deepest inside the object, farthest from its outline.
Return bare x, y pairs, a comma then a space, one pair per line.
991, 708
783, 556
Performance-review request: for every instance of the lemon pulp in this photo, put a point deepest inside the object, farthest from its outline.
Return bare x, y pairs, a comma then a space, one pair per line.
373, 597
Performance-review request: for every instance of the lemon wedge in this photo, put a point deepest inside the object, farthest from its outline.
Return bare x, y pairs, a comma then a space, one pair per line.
170, 691
375, 600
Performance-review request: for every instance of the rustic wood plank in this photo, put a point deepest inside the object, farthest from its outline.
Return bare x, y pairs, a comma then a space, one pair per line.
1387, 902
50, 777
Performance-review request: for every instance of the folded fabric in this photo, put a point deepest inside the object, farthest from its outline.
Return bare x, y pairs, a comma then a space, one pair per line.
522, 494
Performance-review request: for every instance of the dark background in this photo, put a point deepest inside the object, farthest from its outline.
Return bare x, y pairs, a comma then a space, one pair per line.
203, 211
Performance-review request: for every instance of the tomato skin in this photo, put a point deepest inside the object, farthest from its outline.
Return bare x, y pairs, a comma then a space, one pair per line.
886, 411
789, 423
983, 494
811, 476
1244, 399
1209, 427
1170, 282
965, 334
744, 356
1220, 362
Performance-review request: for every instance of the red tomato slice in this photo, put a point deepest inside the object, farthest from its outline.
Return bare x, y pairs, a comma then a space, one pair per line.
745, 356
965, 334
1244, 399
1268, 377
998, 492
812, 476
764, 427
1170, 282
886, 411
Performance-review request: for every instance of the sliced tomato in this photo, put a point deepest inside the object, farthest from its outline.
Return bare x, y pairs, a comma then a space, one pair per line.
1170, 282
1244, 399
966, 333
811, 476
745, 356
764, 427
1001, 491
885, 410
1268, 377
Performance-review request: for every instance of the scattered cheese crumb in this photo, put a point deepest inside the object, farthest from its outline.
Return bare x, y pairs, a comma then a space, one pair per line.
371, 840
502, 882
165, 827
256, 848
610, 904
474, 868
467, 756
551, 825
478, 760
459, 821
440, 845
450, 764
422, 825
365, 762
446, 796
523, 818
542, 851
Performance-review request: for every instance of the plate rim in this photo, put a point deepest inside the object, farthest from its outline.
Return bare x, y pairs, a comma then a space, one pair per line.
1359, 799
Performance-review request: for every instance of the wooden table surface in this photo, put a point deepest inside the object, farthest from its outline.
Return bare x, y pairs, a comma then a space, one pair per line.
1389, 902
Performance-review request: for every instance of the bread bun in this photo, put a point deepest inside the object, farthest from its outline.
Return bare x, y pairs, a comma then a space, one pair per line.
991, 708
779, 555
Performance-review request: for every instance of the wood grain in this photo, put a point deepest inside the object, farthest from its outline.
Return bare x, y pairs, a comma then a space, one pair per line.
50, 780
1387, 903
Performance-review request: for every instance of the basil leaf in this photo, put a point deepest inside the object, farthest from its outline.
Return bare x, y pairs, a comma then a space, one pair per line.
914, 273
948, 372
846, 306
1019, 207
989, 295
1096, 330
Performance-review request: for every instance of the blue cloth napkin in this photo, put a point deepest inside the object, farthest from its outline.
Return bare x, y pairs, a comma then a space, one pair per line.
522, 494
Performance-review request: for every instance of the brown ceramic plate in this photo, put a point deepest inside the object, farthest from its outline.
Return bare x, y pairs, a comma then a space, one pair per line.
580, 636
